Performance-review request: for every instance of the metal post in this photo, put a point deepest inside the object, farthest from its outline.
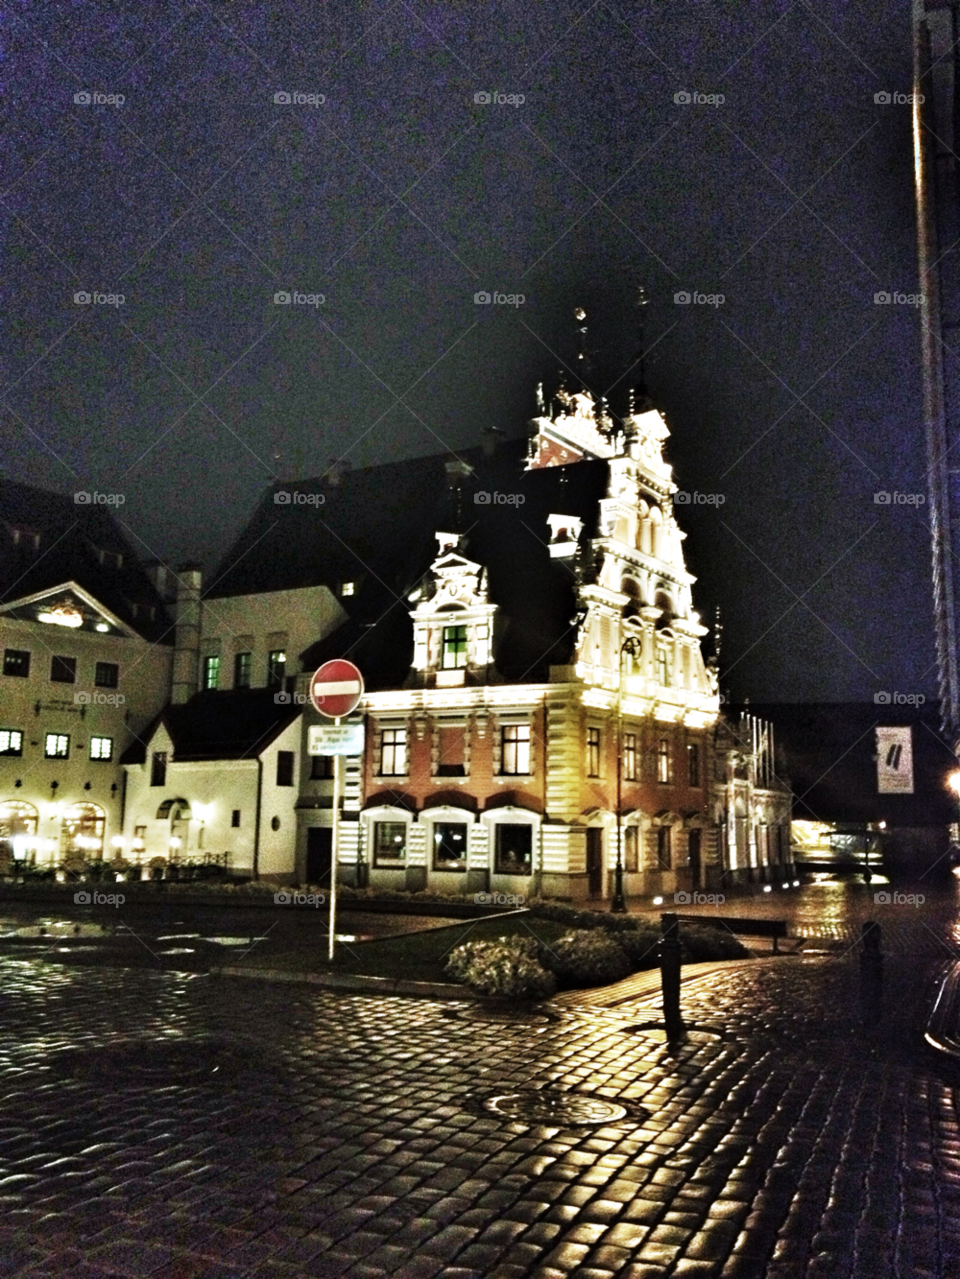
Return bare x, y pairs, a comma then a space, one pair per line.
670, 975
335, 840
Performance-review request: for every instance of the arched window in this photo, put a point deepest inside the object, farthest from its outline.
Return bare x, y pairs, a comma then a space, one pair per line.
81, 831
18, 830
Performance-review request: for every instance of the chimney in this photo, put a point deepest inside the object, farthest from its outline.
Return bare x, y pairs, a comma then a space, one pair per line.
162, 580
186, 653
490, 438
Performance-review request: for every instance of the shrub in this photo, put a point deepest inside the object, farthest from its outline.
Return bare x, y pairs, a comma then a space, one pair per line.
508, 967
704, 943
641, 946
586, 957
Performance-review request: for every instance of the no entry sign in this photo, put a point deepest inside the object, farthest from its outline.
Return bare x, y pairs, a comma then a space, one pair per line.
336, 688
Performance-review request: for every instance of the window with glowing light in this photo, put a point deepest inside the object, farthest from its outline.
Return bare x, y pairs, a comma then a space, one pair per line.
515, 750
56, 746
630, 757
16, 662
393, 752
664, 761
390, 844
211, 672
454, 655
11, 741
276, 667
101, 748
593, 752
449, 846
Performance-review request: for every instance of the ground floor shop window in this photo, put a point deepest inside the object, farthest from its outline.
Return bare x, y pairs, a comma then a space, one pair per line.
450, 846
663, 847
631, 849
390, 844
514, 848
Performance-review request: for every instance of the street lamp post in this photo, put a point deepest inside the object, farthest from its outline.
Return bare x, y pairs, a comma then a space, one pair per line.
619, 904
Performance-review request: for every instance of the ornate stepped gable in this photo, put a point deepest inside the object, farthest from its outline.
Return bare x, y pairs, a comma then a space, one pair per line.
637, 582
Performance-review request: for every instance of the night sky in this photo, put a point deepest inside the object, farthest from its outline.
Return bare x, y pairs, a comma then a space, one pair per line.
399, 197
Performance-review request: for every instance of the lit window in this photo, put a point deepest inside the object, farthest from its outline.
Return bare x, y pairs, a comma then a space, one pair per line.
693, 765
389, 843
11, 741
16, 662
630, 756
242, 665
664, 761
454, 655
516, 749
347, 588
393, 752
450, 846
56, 746
514, 848
101, 748
63, 670
107, 675
593, 752
663, 667
276, 667
211, 672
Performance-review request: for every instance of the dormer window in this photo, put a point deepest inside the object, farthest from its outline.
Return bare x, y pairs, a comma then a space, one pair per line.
454, 654
347, 588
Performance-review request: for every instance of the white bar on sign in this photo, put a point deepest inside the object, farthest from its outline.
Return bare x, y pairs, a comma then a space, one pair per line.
338, 688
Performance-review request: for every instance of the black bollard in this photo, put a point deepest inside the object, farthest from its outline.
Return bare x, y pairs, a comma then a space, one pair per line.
670, 975
871, 974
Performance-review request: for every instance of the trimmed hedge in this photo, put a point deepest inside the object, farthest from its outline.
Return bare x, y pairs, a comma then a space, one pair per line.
508, 967
586, 957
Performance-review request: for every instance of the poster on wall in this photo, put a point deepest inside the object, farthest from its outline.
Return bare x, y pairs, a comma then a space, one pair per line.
894, 761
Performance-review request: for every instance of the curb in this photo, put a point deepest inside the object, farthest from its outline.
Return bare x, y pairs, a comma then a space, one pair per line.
944, 1021
351, 981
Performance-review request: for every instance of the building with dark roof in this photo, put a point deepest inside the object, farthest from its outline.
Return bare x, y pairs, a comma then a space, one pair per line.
87, 649
537, 711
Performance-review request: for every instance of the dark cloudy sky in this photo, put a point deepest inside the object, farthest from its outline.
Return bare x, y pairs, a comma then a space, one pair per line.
399, 197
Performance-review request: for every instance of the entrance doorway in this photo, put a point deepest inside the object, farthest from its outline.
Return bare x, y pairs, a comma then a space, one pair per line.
319, 855
594, 861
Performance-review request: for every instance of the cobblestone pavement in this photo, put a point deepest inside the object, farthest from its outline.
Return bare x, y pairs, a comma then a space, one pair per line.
181, 1125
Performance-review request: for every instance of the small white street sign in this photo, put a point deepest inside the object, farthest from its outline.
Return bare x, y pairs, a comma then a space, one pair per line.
335, 739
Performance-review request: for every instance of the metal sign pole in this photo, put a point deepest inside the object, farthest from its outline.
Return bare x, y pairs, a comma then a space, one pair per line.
337, 787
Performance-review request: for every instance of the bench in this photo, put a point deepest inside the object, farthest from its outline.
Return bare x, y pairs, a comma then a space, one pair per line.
775, 928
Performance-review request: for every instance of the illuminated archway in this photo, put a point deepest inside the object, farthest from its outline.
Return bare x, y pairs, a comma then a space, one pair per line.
81, 831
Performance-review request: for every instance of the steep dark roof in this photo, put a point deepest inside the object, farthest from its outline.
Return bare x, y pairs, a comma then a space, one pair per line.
828, 752
377, 528
215, 725
72, 537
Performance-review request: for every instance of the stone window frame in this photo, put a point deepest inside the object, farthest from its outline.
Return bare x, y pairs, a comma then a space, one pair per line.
511, 815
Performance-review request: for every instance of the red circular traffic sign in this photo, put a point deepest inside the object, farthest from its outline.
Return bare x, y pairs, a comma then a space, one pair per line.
336, 688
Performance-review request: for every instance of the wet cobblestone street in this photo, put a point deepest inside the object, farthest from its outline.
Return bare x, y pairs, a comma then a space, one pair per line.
182, 1125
